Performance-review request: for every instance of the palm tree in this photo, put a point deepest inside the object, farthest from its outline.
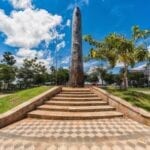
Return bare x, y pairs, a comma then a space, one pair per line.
138, 33
120, 50
117, 49
143, 35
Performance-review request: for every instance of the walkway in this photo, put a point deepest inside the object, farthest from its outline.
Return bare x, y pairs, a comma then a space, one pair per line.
101, 134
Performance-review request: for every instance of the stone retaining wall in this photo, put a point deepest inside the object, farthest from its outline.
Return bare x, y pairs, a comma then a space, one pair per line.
21, 110
126, 108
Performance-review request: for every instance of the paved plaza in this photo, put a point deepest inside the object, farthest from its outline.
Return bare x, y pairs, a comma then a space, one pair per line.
99, 134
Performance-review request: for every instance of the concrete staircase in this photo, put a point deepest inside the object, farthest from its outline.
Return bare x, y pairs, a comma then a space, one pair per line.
75, 104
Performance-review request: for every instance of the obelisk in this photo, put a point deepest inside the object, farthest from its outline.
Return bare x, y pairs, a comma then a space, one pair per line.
76, 68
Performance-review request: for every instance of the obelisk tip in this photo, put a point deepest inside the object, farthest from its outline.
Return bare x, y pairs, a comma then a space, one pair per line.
76, 9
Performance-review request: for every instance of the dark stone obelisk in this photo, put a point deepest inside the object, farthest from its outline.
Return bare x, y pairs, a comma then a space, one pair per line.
76, 68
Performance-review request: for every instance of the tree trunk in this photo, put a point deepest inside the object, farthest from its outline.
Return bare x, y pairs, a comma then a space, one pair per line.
126, 77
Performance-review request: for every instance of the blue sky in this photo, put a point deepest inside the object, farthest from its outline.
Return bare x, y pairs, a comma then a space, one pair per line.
42, 27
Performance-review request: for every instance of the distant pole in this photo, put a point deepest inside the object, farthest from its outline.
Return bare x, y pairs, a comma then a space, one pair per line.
56, 65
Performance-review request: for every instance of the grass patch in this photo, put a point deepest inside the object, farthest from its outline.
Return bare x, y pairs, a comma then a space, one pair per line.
134, 96
11, 101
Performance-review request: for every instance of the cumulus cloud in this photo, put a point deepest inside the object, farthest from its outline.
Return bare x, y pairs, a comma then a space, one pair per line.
43, 56
60, 45
28, 53
28, 28
21, 4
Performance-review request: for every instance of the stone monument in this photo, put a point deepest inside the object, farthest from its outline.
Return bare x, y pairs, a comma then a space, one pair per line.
76, 68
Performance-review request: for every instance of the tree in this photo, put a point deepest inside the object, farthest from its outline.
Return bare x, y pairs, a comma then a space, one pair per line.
40, 72
142, 35
117, 49
62, 76
138, 34
7, 75
92, 78
7, 69
9, 59
32, 72
136, 79
52, 68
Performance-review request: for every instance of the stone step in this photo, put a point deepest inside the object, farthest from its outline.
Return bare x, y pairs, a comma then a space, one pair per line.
76, 95
76, 108
76, 90
81, 93
41, 114
76, 99
76, 103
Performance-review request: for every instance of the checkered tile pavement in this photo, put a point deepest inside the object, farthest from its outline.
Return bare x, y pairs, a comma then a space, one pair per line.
115, 134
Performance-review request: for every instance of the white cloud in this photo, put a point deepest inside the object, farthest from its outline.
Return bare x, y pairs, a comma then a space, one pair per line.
27, 53
120, 65
149, 48
68, 23
90, 64
43, 56
60, 45
92, 69
66, 67
66, 60
28, 28
21, 4
139, 68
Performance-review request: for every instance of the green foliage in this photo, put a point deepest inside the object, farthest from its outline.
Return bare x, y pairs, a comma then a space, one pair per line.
59, 77
32, 72
92, 78
8, 58
7, 73
62, 76
7, 70
115, 48
138, 33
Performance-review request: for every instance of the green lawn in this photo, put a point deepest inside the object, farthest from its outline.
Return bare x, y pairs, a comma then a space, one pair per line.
8, 102
133, 95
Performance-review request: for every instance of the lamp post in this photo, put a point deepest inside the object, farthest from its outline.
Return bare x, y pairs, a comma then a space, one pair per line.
56, 66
